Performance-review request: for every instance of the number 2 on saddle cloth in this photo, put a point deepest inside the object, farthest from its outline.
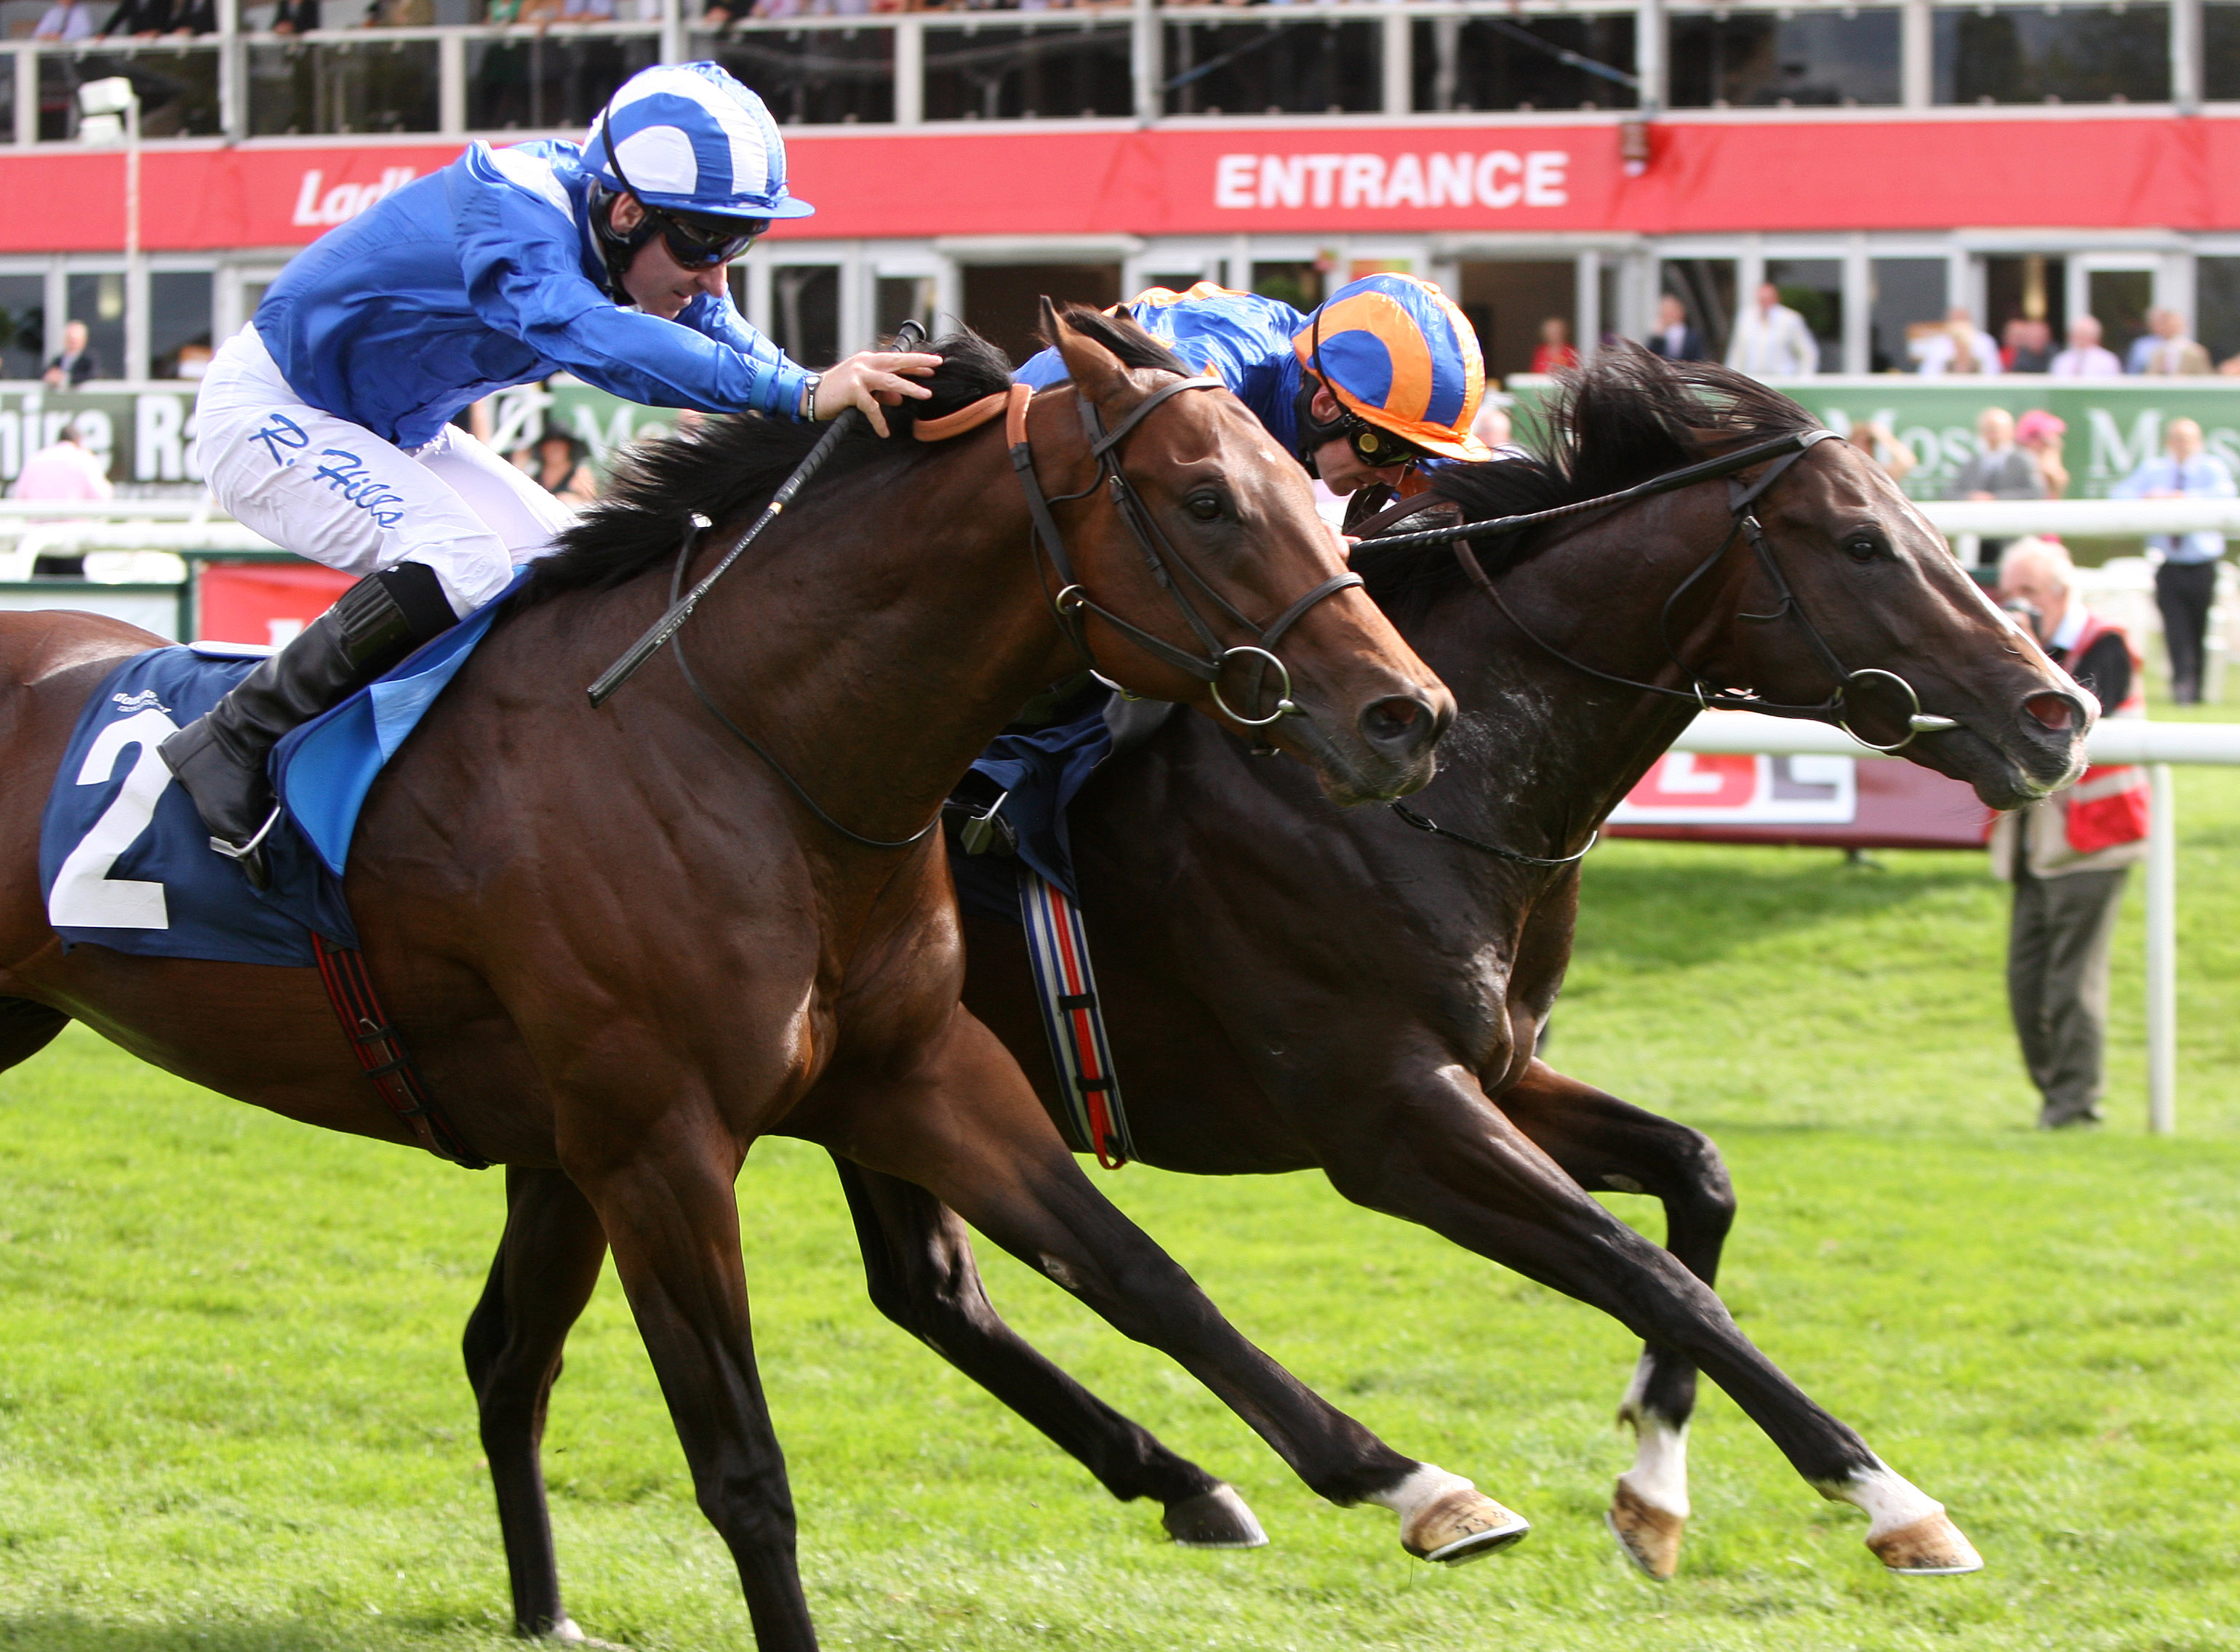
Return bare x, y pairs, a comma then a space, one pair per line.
1011, 855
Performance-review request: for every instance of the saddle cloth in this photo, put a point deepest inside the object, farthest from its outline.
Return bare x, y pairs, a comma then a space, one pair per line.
125, 861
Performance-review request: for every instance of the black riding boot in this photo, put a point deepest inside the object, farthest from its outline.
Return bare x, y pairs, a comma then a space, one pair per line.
220, 757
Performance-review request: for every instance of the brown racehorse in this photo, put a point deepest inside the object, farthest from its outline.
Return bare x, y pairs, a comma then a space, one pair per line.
1290, 987
623, 950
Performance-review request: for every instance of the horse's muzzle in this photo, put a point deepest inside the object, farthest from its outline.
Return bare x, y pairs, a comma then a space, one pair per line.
1400, 728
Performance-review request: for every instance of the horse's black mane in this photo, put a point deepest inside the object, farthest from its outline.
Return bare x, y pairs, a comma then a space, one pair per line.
1628, 418
729, 466
1125, 338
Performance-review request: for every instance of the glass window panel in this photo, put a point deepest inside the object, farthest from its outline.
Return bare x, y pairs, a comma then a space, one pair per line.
1705, 288
7, 100
1003, 302
1904, 293
2119, 300
1775, 57
813, 76
2220, 62
179, 323
2218, 298
805, 312
1497, 62
1814, 289
1295, 282
99, 301
23, 325
901, 298
1049, 71
535, 82
1274, 68
1510, 302
379, 86
2113, 53
179, 91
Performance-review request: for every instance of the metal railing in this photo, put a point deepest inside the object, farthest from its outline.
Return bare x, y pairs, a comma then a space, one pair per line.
1108, 59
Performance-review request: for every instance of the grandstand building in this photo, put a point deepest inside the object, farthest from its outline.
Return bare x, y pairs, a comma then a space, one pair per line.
1879, 162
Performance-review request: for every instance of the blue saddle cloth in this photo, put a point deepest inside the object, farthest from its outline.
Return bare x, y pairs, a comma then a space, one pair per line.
125, 861
1043, 770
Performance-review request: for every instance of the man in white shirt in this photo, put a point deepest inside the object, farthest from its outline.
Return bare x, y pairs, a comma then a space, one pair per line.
2171, 353
2185, 578
66, 20
2086, 357
1771, 340
1940, 353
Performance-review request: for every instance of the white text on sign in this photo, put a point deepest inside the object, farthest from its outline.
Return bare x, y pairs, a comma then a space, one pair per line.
1496, 178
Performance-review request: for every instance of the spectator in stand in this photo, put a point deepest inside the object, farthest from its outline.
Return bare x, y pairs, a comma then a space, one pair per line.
1674, 339
151, 19
2038, 433
301, 17
1554, 351
1493, 427
2135, 359
2185, 579
65, 20
2172, 354
1998, 469
1878, 443
1771, 340
1960, 348
2085, 357
76, 363
2027, 347
2067, 856
556, 463
65, 473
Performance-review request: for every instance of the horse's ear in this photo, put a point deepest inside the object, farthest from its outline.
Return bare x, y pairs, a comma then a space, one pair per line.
1097, 373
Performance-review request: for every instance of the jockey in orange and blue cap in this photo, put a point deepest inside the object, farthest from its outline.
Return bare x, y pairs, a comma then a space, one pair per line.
1383, 377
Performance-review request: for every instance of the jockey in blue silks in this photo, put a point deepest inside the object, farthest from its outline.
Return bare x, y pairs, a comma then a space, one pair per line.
324, 425
1383, 377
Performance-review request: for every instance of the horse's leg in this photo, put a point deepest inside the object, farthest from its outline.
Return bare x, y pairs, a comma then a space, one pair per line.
547, 1264
1440, 1153
1602, 1142
664, 1194
918, 1260
964, 1126
25, 1030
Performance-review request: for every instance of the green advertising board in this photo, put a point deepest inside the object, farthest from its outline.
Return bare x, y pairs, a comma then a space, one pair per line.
2113, 423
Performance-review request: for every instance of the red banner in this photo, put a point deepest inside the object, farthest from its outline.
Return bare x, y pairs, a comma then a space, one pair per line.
1843, 802
261, 602
1707, 176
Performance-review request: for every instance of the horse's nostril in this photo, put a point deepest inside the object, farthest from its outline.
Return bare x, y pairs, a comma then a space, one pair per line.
2053, 711
1399, 724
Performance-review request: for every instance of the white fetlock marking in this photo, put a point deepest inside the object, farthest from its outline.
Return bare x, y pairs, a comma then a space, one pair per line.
1891, 1500
1659, 1475
1423, 1484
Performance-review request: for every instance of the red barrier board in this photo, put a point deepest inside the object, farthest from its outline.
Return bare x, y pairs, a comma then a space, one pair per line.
1708, 175
1842, 802
261, 602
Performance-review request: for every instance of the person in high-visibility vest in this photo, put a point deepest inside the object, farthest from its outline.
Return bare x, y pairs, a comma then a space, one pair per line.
2067, 856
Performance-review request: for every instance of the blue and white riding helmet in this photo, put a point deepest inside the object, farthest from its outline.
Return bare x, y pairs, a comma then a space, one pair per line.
689, 137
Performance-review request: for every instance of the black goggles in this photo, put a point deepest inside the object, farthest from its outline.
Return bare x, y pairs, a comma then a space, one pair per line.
1380, 450
699, 242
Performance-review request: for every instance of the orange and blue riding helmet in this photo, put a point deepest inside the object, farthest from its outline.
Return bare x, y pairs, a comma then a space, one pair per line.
1400, 358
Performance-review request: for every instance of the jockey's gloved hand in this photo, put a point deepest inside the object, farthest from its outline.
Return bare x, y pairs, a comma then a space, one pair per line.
873, 380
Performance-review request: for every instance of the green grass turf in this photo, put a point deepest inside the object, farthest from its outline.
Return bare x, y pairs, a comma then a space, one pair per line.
232, 1414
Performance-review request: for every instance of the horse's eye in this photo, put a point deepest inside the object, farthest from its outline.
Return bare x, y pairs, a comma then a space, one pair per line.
1206, 507
1865, 547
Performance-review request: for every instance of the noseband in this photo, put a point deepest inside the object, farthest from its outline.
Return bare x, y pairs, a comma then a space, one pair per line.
1784, 451
1071, 600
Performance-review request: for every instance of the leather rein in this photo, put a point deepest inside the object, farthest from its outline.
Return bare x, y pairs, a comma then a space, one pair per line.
1783, 452
1070, 600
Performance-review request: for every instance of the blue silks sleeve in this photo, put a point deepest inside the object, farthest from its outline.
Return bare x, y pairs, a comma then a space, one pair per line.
521, 254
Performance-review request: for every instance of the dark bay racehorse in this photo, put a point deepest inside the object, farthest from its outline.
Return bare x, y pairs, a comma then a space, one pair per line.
1292, 987
623, 950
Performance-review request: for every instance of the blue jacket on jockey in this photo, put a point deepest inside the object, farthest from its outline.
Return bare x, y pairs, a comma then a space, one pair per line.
1242, 338
484, 275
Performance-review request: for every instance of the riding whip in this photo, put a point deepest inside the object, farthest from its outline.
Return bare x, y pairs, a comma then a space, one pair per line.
909, 336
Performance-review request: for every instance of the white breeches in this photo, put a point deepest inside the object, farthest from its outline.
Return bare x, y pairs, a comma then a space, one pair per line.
335, 492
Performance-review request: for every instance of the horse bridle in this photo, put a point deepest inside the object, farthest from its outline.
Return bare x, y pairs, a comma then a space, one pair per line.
1071, 601
1784, 451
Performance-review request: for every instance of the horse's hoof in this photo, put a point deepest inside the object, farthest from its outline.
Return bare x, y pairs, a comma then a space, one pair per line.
1215, 1519
564, 1632
1462, 1526
1650, 1535
1930, 1547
